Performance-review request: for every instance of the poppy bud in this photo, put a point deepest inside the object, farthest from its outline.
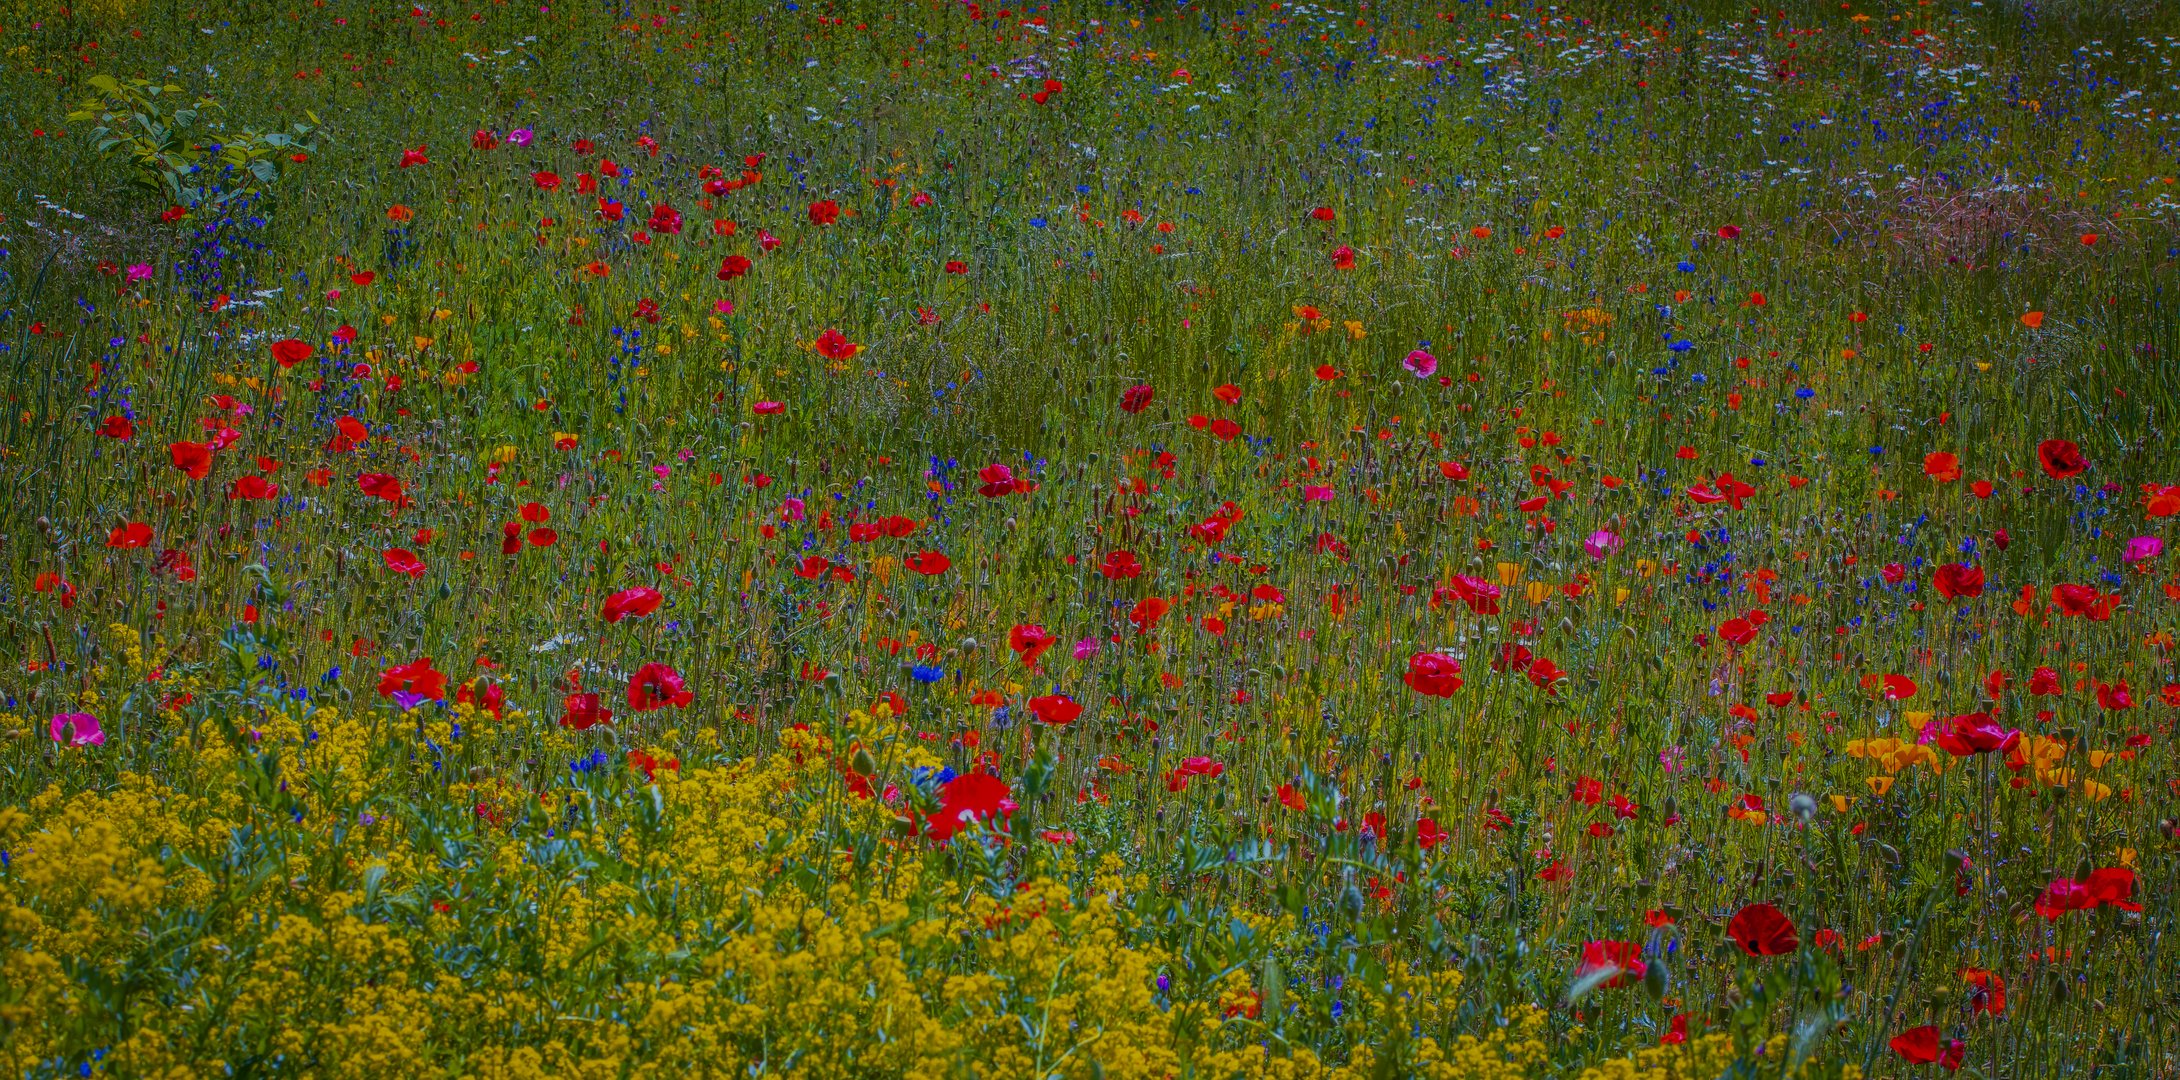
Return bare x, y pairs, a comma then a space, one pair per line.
862, 763
1655, 979
832, 682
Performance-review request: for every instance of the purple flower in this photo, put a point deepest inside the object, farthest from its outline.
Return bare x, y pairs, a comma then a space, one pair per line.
1086, 648
2142, 549
521, 137
77, 729
1601, 543
1421, 364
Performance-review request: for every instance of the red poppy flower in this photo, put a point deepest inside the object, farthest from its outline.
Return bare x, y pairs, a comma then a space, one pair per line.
928, 563
1323, 213
1899, 688
413, 158
135, 534
2112, 697
288, 352
824, 212
1989, 995
194, 459
1343, 258
656, 686
1977, 733
2074, 599
1136, 398
348, 433
415, 677
582, 712
1763, 930
1737, 631
1029, 642
2114, 885
956, 266
253, 487
1432, 674
2044, 682
1941, 466
1544, 674
665, 219
2060, 458
999, 481
1055, 709
833, 345
403, 561
1958, 580
1917, 1046
631, 603
1147, 611
381, 486
1119, 565
1623, 957
1482, 597
969, 798
1429, 835
117, 427
731, 267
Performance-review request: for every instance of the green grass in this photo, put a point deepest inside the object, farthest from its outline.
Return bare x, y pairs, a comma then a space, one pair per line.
1520, 188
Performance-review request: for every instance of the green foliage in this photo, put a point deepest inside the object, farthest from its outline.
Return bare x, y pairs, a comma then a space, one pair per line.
157, 136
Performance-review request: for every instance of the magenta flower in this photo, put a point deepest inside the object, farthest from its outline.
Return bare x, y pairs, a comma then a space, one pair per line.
1421, 364
2142, 549
77, 729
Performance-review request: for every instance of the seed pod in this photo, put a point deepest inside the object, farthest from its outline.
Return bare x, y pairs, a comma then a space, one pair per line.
1656, 980
862, 763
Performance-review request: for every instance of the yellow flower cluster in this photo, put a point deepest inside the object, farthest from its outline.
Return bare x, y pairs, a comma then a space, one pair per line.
322, 930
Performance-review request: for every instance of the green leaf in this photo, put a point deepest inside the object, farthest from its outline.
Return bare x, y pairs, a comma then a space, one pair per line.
1581, 987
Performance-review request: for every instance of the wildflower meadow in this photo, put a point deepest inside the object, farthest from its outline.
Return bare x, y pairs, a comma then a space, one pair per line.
1135, 538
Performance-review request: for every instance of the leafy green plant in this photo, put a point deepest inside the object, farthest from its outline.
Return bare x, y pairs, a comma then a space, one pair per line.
147, 125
